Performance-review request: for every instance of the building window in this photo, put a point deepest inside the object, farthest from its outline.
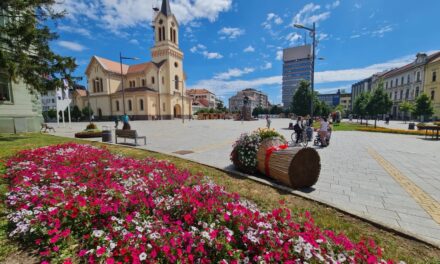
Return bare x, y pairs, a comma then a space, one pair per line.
402, 80
386, 85
160, 34
174, 36
130, 106
163, 33
397, 82
144, 84
117, 105
163, 80
395, 95
153, 80
407, 94
434, 76
141, 104
432, 95
418, 76
401, 94
101, 86
417, 92
408, 79
163, 107
5, 87
176, 82
391, 85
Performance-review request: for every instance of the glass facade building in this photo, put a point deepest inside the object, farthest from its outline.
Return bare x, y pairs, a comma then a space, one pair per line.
297, 66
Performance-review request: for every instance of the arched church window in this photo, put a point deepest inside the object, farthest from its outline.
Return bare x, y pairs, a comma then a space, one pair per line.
130, 106
163, 33
174, 36
141, 104
171, 35
163, 80
152, 80
117, 106
176, 82
160, 34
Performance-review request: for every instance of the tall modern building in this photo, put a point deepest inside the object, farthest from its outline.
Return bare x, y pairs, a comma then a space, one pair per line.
297, 66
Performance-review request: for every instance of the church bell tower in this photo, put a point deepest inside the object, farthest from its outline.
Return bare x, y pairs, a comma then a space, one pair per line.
166, 51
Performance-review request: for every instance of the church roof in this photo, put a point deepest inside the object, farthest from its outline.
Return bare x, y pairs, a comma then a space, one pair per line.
115, 67
198, 91
166, 10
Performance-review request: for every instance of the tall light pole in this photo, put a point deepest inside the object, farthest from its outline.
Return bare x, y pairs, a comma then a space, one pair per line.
122, 78
313, 32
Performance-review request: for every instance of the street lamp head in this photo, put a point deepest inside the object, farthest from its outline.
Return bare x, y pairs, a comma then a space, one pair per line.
298, 26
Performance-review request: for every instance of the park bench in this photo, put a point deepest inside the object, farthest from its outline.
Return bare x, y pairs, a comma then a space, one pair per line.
435, 131
130, 134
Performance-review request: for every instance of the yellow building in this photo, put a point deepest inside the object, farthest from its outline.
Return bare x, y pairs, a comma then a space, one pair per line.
152, 90
432, 84
345, 101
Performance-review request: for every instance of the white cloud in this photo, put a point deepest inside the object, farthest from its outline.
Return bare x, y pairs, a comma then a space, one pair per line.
203, 50
249, 49
231, 33
272, 19
267, 66
134, 41
333, 5
381, 31
71, 45
309, 15
116, 15
321, 36
293, 38
75, 30
223, 87
355, 36
279, 55
231, 73
357, 5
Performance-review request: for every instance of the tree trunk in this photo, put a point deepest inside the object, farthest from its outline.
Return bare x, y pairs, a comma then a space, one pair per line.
375, 121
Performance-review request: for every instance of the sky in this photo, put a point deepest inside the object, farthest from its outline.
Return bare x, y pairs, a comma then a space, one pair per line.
230, 45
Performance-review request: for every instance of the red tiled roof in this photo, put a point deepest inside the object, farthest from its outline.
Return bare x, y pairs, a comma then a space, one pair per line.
198, 91
81, 92
115, 67
140, 67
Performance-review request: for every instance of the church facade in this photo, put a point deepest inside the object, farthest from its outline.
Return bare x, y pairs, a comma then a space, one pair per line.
149, 91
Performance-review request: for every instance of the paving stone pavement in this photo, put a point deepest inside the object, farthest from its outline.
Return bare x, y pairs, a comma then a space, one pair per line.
351, 178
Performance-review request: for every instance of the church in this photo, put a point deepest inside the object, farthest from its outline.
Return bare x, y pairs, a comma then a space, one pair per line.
147, 91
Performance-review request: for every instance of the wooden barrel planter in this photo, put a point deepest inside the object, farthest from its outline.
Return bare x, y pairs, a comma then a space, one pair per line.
294, 167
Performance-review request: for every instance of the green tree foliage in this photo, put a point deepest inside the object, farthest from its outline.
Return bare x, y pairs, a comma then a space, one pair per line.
52, 113
221, 107
86, 110
24, 51
302, 99
76, 113
321, 108
379, 103
406, 107
423, 106
360, 105
276, 110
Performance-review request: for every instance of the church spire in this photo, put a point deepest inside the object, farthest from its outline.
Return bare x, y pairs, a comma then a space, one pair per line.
166, 10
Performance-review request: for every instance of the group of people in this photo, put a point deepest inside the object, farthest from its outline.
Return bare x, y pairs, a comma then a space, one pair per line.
306, 125
125, 121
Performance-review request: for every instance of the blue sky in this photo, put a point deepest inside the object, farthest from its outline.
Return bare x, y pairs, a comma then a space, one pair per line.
230, 45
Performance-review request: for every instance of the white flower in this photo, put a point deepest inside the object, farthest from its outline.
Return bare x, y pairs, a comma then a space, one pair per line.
97, 233
143, 256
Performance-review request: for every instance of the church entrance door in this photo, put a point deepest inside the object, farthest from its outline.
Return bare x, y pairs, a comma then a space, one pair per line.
177, 111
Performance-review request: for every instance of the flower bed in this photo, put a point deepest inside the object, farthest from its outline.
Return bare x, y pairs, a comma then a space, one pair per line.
79, 203
394, 131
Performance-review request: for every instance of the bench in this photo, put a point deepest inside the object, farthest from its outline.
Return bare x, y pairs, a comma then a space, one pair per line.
130, 134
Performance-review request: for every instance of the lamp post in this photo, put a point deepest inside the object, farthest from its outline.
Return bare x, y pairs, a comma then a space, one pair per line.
313, 32
122, 78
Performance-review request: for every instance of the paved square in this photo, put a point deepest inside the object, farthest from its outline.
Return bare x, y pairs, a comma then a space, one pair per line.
358, 169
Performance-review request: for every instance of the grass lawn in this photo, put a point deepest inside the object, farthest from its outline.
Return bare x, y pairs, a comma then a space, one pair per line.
395, 247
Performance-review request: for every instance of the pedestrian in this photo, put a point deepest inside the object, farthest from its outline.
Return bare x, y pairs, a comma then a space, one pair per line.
116, 122
323, 130
125, 121
268, 121
299, 127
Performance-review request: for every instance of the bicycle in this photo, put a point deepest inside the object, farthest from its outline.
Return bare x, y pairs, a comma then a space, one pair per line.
303, 141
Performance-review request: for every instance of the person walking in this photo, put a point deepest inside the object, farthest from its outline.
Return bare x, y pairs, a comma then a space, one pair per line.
116, 119
268, 121
299, 128
323, 130
125, 121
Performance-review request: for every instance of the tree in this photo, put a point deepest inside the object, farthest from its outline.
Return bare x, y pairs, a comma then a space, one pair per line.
423, 107
52, 113
25, 53
406, 107
86, 111
76, 113
302, 99
275, 110
257, 111
360, 105
379, 103
220, 106
321, 108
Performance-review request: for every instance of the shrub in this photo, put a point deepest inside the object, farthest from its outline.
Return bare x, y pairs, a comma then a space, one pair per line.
89, 134
393, 131
244, 153
104, 208
436, 123
265, 133
420, 125
91, 126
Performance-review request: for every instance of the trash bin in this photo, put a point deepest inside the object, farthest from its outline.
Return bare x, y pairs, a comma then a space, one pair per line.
412, 126
106, 134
